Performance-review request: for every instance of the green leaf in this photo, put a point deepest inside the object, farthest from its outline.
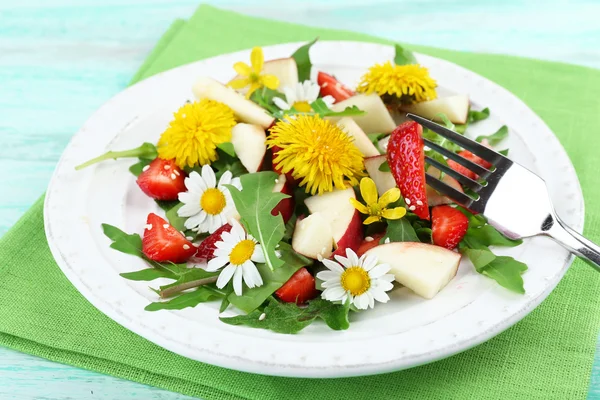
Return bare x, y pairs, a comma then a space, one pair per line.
507, 272
272, 280
227, 147
496, 137
480, 257
166, 205
123, 242
399, 230
461, 128
146, 150
475, 116
148, 274
224, 304
254, 204
264, 98
320, 108
403, 56
225, 162
384, 167
424, 235
289, 318
487, 235
137, 168
184, 300
302, 58
190, 274
375, 138
446, 121
503, 152
437, 139
174, 219
289, 228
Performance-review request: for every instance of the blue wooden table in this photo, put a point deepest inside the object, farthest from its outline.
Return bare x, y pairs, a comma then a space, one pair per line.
61, 59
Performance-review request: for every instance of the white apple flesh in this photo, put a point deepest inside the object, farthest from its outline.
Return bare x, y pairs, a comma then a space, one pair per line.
244, 109
377, 118
456, 108
249, 144
312, 237
423, 268
383, 180
343, 218
361, 140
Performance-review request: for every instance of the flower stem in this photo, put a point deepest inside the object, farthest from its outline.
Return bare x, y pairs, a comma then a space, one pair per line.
146, 150
188, 285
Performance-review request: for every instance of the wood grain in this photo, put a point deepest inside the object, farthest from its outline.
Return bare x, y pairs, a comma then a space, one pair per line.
61, 59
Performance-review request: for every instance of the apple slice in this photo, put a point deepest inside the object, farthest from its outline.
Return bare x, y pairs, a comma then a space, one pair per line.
383, 180
343, 218
377, 118
244, 109
361, 140
286, 206
285, 69
433, 197
383, 143
456, 108
312, 237
249, 144
423, 268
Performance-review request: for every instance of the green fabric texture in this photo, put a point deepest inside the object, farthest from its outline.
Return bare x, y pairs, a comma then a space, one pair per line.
548, 354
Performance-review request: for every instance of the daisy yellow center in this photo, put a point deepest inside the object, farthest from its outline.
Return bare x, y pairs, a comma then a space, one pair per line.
355, 280
317, 152
194, 133
213, 201
302, 106
242, 252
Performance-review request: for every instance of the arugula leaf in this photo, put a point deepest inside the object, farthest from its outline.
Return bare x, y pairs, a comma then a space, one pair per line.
403, 56
137, 168
496, 137
289, 228
302, 58
486, 236
224, 304
437, 139
424, 234
174, 219
503, 152
227, 147
446, 121
254, 204
123, 242
272, 280
189, 299
264, 98
191, 274
225, 162
507, 272
475, 116
320, 108
375, 138
480, 257
399, 230
290, 318
384, 167
148, 274
166, 205
461, 128
146, 150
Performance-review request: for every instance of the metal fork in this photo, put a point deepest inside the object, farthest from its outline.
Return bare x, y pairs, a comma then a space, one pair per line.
513, 199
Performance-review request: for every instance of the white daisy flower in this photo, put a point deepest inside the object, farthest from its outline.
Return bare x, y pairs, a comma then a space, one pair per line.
301, 96
362, 281
237, 252
207, 205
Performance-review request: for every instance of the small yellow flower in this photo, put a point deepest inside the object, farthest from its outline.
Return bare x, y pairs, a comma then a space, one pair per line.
252, 74
194, 133
317, 152
409, 83
374, 208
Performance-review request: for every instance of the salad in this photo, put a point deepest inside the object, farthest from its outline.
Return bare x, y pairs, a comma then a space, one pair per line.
291, 200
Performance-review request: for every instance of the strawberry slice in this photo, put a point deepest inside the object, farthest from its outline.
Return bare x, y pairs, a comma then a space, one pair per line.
162, 180
208, 245
367, 245
162, 242
471, 157
448, 226
332, 87
406, 159
299, 288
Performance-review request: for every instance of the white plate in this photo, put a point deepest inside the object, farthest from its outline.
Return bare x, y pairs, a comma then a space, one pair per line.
403, 333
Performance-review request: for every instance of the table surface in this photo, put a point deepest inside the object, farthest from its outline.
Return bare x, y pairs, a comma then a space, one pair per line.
61, 59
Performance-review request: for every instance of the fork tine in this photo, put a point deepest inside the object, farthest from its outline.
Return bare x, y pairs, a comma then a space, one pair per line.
487, 154
449, 191
463, 180
478, 169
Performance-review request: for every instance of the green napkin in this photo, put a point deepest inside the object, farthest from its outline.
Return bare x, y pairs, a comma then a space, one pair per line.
547, 355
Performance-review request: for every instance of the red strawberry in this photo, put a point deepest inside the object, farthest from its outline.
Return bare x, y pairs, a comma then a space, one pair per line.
162, 242
299, 288
407, 162
162, 180
448, 226
367, 245
332, 87
207, 247
471, 157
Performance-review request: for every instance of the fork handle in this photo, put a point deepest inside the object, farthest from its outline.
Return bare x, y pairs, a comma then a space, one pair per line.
574, 242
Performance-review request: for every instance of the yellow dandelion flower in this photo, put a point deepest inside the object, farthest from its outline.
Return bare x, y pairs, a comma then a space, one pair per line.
194, 133
317, 152
409, 83
251, 75
376, 208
